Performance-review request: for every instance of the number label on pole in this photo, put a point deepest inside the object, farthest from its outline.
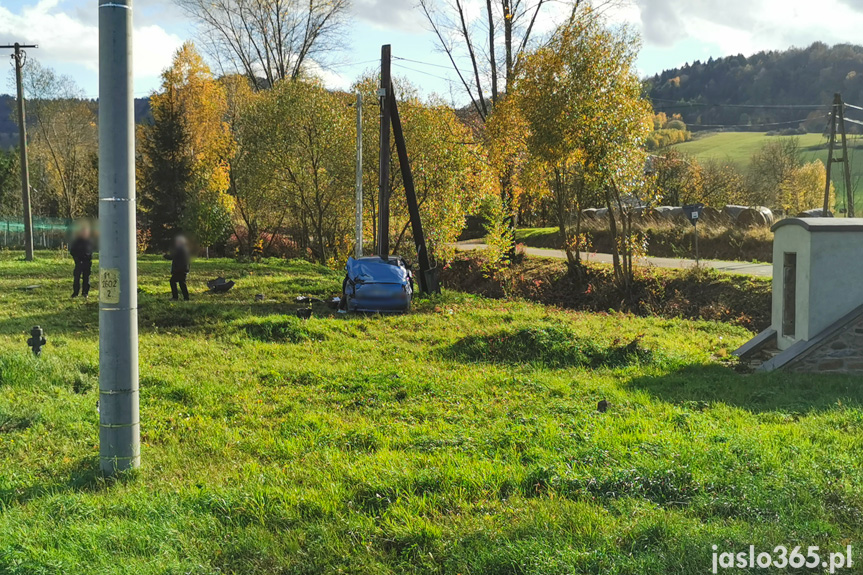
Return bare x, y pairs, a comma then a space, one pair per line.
109, 285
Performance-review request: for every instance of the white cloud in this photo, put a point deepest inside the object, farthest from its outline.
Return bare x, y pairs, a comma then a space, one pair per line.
331, 79
153, 50
747, 26
401, 15
68, 34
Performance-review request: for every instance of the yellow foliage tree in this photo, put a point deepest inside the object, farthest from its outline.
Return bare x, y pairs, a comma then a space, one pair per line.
581, 99
804, 189
185, 152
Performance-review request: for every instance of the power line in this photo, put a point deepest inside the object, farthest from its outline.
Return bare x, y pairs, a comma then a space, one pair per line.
753, 125
347, 64
678, 104
859, 123
423, 63
402, 66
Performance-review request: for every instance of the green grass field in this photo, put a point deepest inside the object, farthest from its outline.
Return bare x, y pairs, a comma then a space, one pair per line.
462, 438
739, 147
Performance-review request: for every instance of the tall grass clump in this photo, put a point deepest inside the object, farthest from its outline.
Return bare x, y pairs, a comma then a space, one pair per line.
555, 347
281, 328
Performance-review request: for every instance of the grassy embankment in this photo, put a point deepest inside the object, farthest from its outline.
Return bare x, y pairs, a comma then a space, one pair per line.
462, 438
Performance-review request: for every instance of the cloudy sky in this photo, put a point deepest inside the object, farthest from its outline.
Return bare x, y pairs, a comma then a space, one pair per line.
674, 32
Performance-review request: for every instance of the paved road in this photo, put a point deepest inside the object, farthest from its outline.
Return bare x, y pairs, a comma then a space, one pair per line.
744, 268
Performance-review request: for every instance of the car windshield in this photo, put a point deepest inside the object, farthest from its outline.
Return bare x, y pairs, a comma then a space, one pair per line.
375, 270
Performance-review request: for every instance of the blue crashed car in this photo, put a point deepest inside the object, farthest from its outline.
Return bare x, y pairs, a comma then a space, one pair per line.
376, 285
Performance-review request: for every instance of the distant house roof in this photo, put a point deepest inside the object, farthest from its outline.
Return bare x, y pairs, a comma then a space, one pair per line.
822, 224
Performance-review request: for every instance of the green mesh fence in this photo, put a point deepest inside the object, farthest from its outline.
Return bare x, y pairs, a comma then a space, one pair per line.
47, 232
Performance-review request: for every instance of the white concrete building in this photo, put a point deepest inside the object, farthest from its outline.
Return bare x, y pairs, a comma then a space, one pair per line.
817, 296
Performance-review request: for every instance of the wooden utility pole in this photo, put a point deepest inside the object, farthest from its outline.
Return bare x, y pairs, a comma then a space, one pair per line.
411, 197
837, 124
358, 216
20, 56
384, 172
428, 276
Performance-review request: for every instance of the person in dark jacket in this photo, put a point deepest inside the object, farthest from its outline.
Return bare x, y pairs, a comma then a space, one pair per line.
81, 250
180, 266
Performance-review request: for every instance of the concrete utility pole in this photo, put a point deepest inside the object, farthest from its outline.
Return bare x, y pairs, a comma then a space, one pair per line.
384, 168
119, 425
837, 124
846, 161
358, 250
831, 141
20, 56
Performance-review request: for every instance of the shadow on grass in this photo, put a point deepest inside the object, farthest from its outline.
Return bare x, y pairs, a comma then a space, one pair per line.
153, 314
698, 386
82, 476
205, 312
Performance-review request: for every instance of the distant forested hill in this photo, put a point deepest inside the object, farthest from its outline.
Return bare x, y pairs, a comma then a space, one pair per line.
9, 128
732, 90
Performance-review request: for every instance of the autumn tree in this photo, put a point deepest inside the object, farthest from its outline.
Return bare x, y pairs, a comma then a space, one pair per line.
581, 98
256, 209
10, 183
297, 141
63, 142
506, 146
486, 48
678, 178
722, 184
667, 132
772, 169
184, 154
804, 190
449, 178
272, 40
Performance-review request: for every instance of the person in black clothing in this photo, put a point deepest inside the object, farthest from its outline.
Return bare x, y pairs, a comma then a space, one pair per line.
180, 265
81, 250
